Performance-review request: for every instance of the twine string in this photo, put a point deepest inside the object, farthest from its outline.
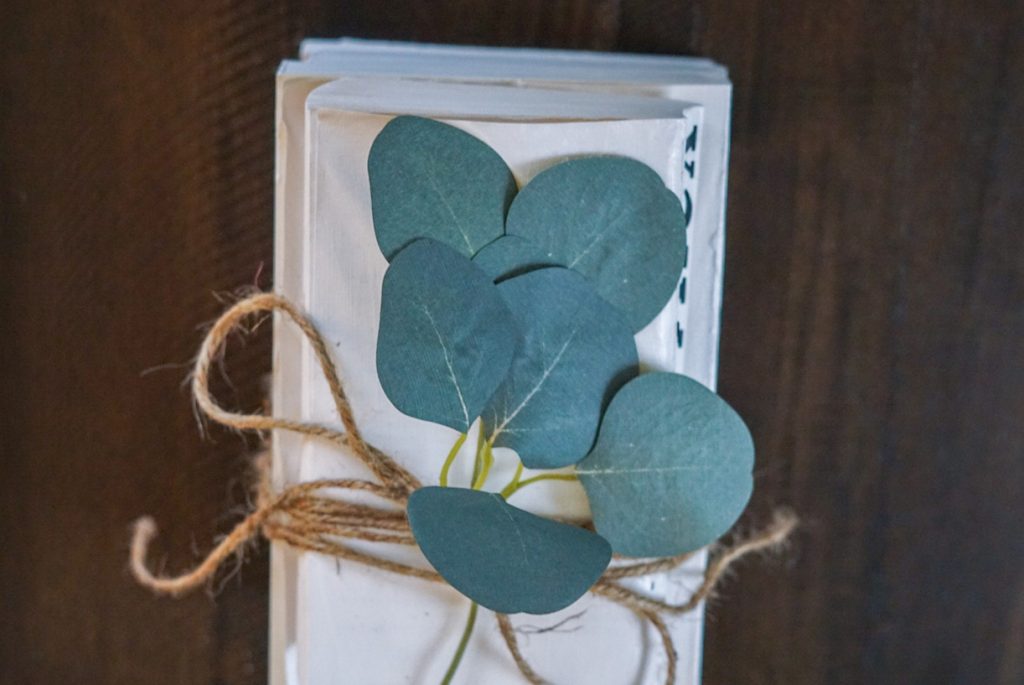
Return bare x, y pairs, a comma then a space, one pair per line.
384, 467
309, 517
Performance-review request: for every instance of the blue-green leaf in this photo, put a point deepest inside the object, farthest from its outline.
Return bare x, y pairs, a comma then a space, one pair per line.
576, 351
671, 471
613, 220
502, 557
446, 336
511, 255
432, 180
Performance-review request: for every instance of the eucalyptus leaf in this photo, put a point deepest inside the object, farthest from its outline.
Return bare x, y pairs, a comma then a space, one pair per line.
502, 557
446, 336
613, 220
671, 470
432, 180
511, 255
576, 351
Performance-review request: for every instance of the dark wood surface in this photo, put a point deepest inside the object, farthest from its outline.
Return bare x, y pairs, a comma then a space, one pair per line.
873, 321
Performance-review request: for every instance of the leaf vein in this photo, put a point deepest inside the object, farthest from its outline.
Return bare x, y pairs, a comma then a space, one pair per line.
447, 205
540, 382
448, 362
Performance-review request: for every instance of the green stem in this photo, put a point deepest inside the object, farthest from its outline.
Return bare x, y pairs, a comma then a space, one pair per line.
461, 649
478, 461
451, 459
485, 467
516, 485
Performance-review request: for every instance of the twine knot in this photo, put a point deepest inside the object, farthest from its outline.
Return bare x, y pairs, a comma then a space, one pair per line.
308, 517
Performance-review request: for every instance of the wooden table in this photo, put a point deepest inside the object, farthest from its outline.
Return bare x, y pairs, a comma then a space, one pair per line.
873, 326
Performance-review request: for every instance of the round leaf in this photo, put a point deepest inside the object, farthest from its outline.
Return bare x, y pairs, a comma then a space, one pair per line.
511, 255
575, 352
502, 557
671, 471
446, 336
614, 221
432, 180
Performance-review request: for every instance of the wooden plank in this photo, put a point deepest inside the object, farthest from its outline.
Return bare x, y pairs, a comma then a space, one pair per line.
136, 181
872, 328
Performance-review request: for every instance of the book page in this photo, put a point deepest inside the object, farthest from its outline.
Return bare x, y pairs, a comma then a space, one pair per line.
346, 614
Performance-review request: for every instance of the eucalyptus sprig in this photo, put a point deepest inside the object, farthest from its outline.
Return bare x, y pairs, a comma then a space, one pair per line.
515, 310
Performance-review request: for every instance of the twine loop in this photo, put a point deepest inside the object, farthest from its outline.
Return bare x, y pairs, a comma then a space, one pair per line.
308, 516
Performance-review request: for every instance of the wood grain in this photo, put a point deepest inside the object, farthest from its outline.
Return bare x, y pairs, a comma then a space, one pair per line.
873, 321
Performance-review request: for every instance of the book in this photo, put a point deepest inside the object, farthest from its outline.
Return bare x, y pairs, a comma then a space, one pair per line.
337, 622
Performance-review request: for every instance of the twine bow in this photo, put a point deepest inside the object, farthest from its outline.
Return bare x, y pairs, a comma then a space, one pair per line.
304, 517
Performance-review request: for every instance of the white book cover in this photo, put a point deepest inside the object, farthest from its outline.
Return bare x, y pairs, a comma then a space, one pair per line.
336, 622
